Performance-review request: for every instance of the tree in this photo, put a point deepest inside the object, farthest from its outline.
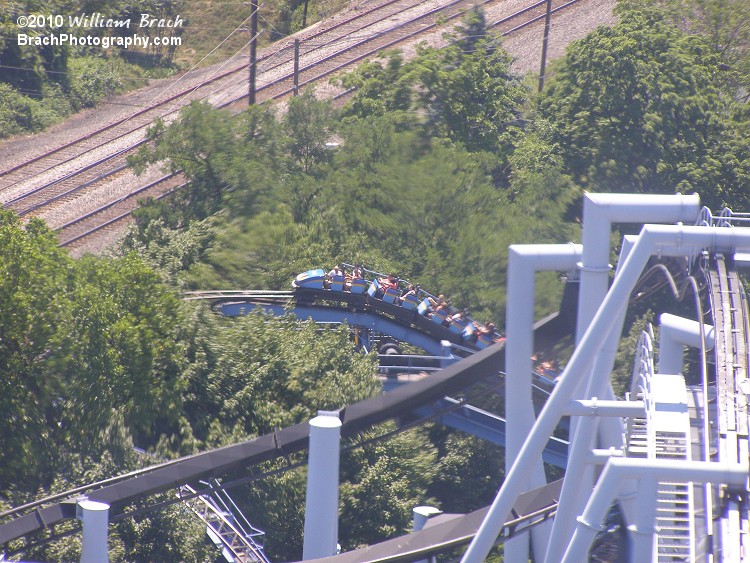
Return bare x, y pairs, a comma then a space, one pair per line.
472, 98
308, 123
466, 90
636, 108
382, 483
35, 277
726, 27
83, 346
257, 373
468, 473
199, 144
121, 351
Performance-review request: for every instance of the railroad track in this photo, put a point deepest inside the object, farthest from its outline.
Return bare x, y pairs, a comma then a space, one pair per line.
78, 170
109, 132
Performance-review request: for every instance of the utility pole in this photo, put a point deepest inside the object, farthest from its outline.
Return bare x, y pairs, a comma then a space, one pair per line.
304, 15
296, 67
253, 46
544, 44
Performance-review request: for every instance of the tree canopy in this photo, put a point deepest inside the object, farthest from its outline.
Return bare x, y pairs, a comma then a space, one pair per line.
639, 107
431, 170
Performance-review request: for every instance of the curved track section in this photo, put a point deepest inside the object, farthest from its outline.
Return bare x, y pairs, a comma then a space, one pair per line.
726, 507
355, 418
120, 492
324, 306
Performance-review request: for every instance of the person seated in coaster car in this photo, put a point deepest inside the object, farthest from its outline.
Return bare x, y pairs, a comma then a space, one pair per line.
335, 278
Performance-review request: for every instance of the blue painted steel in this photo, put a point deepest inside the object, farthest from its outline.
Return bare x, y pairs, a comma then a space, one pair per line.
410, 302
467, 419
334, 316
337, 283
483, 341
424, 307
312, 279
487, 426
390, 296
359, 285
374, 288
468, 333
458, 325
439, 317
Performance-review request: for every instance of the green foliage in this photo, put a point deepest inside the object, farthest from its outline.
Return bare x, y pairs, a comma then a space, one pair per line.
277, 504
35, 277
259, 373
637, 108
140, 347
16, 113
40, 85
168, 251
439, 164
308, 123
91, 79
465, 91
468, 473
388, 196
382, 483
622, 373
287, 15
169, 534
83, 343
725, 24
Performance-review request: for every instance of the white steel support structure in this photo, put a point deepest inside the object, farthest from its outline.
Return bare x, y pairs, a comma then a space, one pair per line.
647, 473
322, 500
95, 518
575, 491
524, 261
654, 239
676, 333
600, 212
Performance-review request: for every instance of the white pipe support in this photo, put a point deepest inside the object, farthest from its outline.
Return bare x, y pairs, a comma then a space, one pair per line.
583, 432
611, 431
601, 456
420, 516
642, 532
322, 500
524, 261
600, 211
654, 239
576, 489
617, 471
95, 518
597, 407
677, 332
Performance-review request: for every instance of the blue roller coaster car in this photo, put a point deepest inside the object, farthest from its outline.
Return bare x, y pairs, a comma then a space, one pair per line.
359, 285
414, 308
312, 279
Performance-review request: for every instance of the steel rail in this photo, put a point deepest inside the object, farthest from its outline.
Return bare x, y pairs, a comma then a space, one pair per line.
111, 221
264, 87
536, 19
335, 69
182, 93
370, 52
